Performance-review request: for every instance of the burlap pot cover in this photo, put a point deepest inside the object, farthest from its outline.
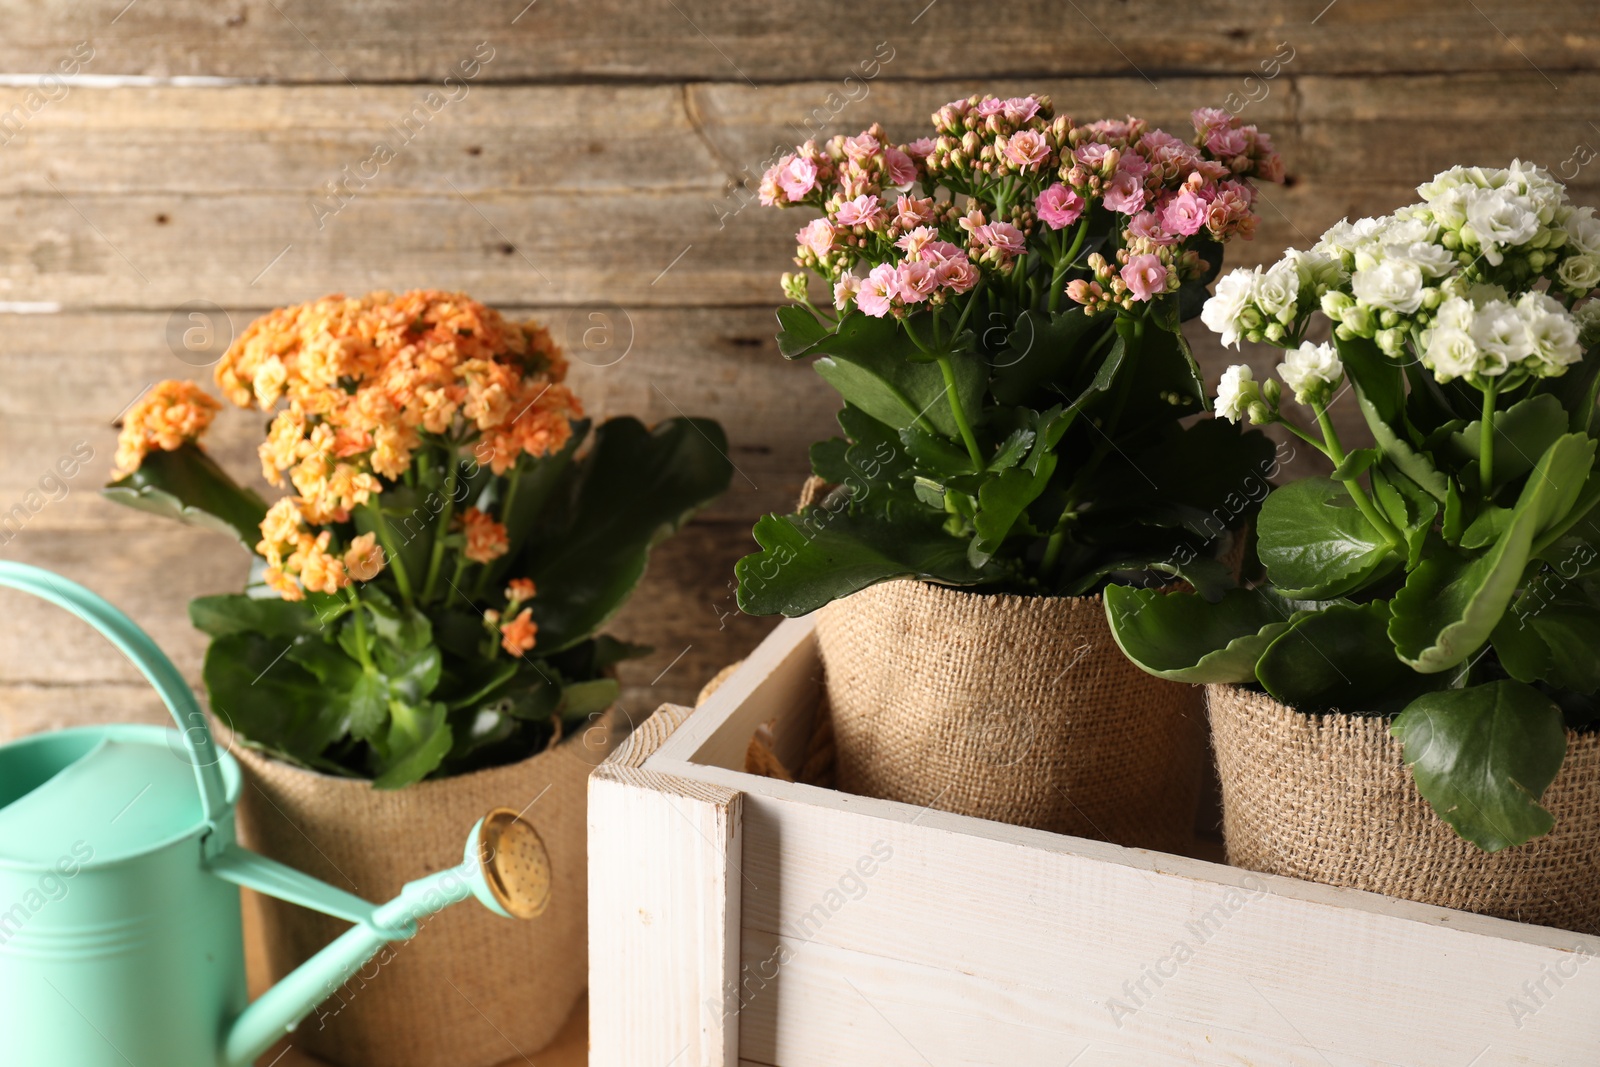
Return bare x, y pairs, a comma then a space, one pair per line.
1328, 798
472, 988
1019, 709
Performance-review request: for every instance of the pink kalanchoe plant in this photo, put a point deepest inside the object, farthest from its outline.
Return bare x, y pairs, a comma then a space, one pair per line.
991, 286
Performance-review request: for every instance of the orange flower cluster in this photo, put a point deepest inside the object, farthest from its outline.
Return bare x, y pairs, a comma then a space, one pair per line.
171, 413
298, 560
520, 633
365, 378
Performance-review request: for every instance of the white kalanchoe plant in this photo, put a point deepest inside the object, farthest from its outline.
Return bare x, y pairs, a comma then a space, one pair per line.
1445, 574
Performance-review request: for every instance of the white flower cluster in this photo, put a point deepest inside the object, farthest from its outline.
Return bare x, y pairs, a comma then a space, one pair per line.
1263, 305
1484, 334
1424, 277
1236, 392
1311, 370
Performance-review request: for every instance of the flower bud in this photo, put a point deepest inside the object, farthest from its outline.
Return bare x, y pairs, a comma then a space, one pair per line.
1258, 413
1271, 391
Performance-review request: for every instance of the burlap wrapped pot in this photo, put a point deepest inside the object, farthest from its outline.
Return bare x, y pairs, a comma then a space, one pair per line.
1328, 798
1019, 709
471, 989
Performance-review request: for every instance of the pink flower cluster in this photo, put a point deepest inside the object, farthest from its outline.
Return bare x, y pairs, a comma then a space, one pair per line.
1025, 172
930, 270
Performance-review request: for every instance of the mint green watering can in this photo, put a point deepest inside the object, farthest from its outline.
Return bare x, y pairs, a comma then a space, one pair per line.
120, 940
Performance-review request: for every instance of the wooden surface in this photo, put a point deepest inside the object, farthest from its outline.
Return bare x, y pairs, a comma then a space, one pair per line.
883, 933
596, 162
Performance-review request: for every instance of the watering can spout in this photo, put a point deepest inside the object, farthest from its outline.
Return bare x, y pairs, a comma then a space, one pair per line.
505, 867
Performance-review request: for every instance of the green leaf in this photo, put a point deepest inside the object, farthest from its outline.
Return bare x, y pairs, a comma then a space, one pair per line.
1185, 638
1409, 507
366, 704
1315, 542
1355, 464
1550, 635
900, 393
1522, 434
1379, 383
1001, 501
1043, 353
633, 489
816, 557
869, 458
235, 613
935, 456
1414, 465
419, 739
186, 484
1451, 602
1340, 658
801, 330
581, 699
1483, 758
263, 695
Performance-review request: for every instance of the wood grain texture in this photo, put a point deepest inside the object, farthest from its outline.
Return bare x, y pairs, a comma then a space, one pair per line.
358, 40
879, 932
666, 874
150, 197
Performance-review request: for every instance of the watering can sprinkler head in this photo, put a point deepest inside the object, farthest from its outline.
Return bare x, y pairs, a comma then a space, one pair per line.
513, 868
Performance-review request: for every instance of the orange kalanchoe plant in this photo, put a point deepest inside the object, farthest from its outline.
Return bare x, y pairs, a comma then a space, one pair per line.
438, 477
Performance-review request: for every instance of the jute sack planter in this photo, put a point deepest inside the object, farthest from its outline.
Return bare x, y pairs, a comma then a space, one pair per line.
1328, 798
1018, 709
472, 988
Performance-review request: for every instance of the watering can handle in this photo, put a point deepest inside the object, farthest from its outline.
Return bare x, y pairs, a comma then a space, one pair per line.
152, 663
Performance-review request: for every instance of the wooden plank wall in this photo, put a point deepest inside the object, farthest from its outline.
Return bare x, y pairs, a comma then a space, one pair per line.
589, 160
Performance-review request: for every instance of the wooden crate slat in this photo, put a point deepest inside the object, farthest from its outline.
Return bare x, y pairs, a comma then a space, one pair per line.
665, 858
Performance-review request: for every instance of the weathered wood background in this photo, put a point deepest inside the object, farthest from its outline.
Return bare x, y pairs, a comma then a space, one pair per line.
594, 169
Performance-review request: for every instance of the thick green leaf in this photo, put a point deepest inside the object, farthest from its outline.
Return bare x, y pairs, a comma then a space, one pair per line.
900, 393
581, 699
418, 740
1002, 500
1185, 638
1522, 433
634, 488
1340, 658
1483, 758
1378, 381
816, 557
800, 330
1407, 506
186, 484
1551, 635
1315, 542
1415, 465
1043, 354
235, 613
263, 695
1452, 602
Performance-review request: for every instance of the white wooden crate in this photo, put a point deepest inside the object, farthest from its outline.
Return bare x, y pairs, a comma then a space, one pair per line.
741, 920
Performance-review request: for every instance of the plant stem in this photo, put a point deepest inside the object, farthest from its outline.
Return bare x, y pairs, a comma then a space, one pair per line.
361, 628
1486, 439
380, 526
445, 517
949, 372
1064, 264
1352, 485
505, 516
